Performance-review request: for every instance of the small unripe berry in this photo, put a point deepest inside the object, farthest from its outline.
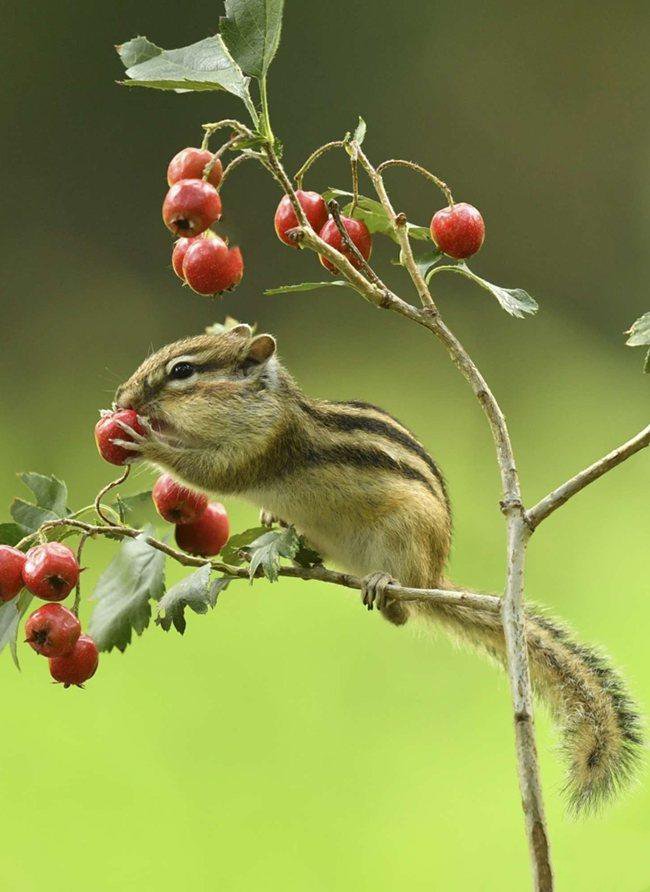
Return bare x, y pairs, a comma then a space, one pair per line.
458, 230
178, 255
177, 503
207, 535
285, 217
190, 164
211, 267
52, 630
190, 207
107, 430
359, 236
78, 665
12, 562
51, 571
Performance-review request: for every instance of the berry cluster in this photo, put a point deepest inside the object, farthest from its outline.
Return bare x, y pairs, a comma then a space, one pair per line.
200, 257
202, 527
50, 572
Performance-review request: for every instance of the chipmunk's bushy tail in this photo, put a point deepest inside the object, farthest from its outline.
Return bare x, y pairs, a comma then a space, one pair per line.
601, 727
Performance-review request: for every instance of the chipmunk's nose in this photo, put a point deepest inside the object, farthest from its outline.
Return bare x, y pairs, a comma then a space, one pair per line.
125, 398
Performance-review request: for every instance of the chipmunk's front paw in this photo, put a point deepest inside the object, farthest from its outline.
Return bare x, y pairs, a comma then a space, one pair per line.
145, 443
375, 593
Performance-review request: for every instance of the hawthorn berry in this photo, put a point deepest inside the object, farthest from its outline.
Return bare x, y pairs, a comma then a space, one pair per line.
359, 236
177, 503
52, 630
190, 164
178, 255
206, 536
78, 665
51, 571
190, 207
12, 562
210, 266
285, 218
458, 230
107, 430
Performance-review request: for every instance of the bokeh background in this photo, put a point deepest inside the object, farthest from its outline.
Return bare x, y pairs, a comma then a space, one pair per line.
290, 741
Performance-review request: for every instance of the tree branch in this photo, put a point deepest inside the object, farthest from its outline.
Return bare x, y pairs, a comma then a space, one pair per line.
562, 494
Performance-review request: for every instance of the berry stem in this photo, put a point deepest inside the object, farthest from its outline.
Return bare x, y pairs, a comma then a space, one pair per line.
398, 162
99, 508
315, 155
77, 593
335, 211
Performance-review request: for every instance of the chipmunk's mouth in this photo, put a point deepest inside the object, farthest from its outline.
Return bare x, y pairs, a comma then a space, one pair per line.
166, 431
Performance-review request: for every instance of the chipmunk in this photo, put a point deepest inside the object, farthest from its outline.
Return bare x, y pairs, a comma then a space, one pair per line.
223, 415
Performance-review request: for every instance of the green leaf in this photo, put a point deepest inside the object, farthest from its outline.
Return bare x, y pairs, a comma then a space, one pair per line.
373, 215
639, 333
307, 556
513, 300
251, 31
231, 552
360, 132
30, 516
206, 65
49, 492
10, 615
426, 262
138, 50
132, 579
267, 551
12, 533
136, 510
306, 286
197, 591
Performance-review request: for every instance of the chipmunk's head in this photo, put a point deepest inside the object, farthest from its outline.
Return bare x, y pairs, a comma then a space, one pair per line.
210, 386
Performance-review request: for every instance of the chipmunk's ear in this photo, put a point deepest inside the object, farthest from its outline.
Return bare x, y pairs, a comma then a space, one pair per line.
242, 330
260, 349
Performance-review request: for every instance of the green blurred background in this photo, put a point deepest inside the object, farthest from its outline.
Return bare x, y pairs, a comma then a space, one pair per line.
290, 741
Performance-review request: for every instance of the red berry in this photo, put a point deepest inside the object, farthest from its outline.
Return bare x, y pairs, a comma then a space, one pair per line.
285, 217
190, 163
12, 562
178, 255
177, 503
107, 430
211, 267
359, 236
207, 535
52, 630
458, 230
77, 666
190, 207
51, 571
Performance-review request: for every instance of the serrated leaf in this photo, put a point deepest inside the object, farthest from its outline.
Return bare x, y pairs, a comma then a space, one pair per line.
134, 577
231, 552
360, 132
198, 592
267, 551
206, 65
373, 215
12, 533
49, 492
137, 50
30, 516
11, 613
639, 332
306, 286
251, 30
136, 510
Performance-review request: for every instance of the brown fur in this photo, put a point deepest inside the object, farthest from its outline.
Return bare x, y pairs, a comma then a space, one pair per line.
359, 486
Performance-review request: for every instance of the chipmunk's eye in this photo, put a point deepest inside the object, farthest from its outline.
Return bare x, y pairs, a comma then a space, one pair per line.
181, 370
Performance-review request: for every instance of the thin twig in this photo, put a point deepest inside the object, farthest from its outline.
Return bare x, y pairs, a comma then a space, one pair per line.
351, 248
486, 603
398, 162
245, 156
77, 595
315, 155
560, 495
107, 489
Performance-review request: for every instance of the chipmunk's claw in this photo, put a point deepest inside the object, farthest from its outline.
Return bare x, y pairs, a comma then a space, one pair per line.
136, 437
374, 591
